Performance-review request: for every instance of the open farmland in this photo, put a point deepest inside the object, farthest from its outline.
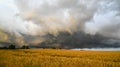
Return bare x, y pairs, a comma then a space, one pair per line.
58, 58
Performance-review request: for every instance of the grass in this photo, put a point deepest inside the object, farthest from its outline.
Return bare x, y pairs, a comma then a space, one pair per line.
58, 58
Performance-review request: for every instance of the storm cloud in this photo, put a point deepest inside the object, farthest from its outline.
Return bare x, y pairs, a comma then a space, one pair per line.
30, 21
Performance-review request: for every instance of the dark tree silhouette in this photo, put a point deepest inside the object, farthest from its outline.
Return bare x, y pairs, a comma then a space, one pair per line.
11, 47
4, 47
25, 47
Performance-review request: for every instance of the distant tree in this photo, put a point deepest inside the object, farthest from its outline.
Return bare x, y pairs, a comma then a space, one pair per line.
11, 47
0, 47
4, 47
25, 47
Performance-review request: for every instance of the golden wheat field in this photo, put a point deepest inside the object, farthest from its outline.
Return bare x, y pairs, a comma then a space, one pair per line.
58, 58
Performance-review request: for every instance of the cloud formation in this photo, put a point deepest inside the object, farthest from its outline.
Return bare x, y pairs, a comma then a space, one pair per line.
57, 16
37, 18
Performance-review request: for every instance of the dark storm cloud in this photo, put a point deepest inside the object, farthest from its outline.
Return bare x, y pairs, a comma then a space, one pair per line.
30, 21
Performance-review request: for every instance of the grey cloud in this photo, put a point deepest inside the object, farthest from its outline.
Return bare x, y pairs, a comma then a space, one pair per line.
38, 18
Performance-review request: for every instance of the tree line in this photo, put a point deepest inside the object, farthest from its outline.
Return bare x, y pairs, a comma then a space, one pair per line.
14, 47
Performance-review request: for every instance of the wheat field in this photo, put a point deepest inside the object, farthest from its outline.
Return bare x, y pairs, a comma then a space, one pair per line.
58, 58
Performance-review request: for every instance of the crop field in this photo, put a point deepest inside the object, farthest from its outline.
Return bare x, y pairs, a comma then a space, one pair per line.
58, 58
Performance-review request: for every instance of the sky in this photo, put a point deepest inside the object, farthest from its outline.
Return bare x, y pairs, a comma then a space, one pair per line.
41, 17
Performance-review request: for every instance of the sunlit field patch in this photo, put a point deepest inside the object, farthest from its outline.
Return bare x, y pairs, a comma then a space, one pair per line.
58, 58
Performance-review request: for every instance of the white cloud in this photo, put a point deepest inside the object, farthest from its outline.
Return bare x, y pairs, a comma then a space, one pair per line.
39, 17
